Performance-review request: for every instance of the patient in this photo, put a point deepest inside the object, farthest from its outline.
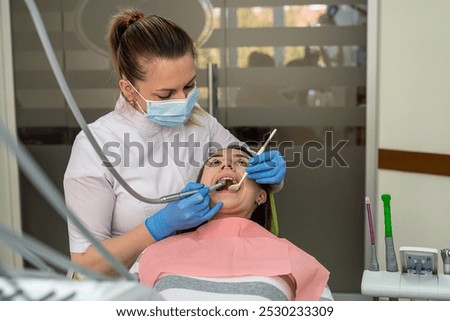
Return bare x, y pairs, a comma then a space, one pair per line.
234, 256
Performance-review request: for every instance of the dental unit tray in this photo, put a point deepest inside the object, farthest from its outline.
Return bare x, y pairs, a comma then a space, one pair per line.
418, 278
384, 284
419, 260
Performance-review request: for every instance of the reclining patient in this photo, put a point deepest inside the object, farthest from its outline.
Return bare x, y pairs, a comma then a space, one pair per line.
234, 256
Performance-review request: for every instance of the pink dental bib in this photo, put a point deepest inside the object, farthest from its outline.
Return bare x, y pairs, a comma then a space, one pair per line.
233, 247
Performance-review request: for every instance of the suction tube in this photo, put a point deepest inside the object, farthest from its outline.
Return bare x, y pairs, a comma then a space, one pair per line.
35, 15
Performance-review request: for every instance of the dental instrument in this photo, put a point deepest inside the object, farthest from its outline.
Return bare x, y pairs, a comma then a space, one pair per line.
374, 266
237, 186
445, 253
391, 259
180, 195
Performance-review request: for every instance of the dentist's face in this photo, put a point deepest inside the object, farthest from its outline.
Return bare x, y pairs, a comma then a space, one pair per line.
166, 79
230, 164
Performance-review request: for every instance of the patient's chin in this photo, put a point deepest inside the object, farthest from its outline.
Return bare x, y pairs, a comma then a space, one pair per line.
233, 210
229, 204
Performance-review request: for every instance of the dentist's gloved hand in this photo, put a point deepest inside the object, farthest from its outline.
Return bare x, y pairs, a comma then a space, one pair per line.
188, 212
267, 168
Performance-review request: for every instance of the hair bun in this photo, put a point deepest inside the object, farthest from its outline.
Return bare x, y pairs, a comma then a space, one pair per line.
134, 16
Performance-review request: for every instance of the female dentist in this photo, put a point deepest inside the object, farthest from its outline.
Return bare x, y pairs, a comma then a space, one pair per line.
156, 137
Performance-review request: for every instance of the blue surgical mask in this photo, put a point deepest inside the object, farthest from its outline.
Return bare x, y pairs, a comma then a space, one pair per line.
171, 112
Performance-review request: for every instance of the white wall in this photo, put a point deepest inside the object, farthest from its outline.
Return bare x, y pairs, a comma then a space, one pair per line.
413, 109
414, 75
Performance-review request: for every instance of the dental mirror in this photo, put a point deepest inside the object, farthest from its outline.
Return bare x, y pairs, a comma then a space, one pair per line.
236, 187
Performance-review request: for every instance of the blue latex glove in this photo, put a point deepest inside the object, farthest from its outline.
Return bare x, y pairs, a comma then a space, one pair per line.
267, 168
183, 214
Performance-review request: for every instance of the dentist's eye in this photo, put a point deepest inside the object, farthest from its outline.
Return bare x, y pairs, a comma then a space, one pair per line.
165, 97
169, 93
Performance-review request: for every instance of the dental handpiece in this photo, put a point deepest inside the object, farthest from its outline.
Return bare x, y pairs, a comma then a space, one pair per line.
445, 253
180, 195
374, 266
391, 259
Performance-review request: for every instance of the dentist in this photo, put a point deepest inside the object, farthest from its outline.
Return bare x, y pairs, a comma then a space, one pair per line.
157, 138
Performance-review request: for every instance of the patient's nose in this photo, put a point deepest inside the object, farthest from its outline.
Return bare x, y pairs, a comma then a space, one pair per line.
227, 163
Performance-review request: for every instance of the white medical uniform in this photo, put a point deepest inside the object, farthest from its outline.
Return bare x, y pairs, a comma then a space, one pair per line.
154, 160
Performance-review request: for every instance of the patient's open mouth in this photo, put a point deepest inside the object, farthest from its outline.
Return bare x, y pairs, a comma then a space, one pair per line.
228, 182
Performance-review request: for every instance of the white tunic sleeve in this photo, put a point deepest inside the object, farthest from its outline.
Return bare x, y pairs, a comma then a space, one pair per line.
89, 195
